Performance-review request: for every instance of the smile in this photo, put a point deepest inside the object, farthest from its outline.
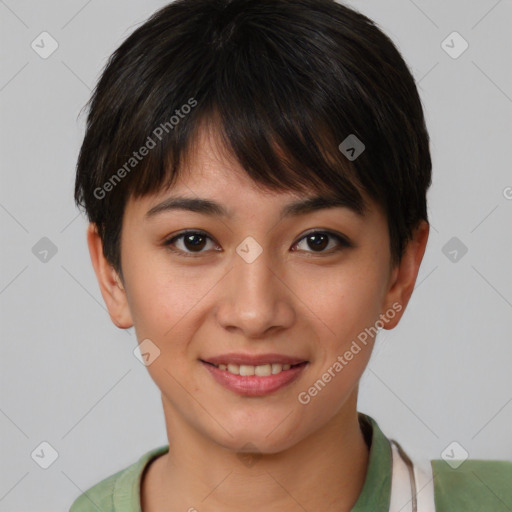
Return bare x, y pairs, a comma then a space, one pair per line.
263, 370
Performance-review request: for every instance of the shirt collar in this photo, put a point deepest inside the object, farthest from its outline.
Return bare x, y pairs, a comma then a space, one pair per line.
376, 492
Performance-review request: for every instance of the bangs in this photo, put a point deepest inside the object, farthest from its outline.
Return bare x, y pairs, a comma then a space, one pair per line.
279, 158
279, 153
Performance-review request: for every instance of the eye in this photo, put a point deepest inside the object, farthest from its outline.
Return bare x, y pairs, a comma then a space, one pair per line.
319, 240
191, 242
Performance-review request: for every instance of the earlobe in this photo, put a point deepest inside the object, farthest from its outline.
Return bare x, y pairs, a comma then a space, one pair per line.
111, 286
403, 276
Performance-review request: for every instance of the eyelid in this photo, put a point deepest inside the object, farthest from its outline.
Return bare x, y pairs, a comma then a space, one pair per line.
326, 231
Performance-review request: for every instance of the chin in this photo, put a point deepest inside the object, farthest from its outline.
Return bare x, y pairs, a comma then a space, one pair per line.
264, 440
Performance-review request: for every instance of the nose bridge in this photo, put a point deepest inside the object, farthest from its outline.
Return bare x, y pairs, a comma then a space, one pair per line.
256, 299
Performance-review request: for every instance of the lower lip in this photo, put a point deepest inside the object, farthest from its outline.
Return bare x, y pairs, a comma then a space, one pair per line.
254, 385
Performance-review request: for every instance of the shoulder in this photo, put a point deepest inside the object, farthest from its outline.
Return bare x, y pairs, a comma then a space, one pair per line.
98, 497
473, 485
119, 492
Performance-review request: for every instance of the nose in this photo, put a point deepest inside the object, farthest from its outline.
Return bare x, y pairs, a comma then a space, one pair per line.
255, 299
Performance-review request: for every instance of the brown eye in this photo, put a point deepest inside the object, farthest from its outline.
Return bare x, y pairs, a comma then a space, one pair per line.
317, 241
194, 241
188, 243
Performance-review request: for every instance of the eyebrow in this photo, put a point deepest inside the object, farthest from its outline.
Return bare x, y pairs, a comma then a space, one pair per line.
212, 208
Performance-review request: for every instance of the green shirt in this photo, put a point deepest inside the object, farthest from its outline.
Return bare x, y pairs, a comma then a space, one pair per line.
476, 485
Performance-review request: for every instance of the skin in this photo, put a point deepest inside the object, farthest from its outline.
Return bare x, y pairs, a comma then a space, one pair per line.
291, 300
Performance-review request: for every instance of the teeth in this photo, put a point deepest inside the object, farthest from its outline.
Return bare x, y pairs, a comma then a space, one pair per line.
234, 368
263, 370
276, 367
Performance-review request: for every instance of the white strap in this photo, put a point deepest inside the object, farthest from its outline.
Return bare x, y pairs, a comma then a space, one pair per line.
424, 487
412, 485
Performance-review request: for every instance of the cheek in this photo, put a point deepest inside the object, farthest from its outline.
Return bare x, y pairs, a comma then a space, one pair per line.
159, 303
344, 300
169, 302
155, 290
346, 307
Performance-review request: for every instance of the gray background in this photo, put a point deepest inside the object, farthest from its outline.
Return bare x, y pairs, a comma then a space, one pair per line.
69, 376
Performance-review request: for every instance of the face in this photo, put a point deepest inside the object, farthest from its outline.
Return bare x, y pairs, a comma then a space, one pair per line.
206, 287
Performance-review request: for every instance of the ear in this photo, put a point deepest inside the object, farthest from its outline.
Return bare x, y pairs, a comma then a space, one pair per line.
403, 276
110, 283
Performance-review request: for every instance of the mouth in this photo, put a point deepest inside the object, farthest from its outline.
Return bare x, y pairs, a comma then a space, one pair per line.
267, 374
261, 370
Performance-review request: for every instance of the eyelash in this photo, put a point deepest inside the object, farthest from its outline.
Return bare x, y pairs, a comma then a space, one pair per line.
342, 241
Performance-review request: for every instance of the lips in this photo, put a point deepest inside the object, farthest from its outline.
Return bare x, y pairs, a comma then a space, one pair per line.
257, 380
254, 374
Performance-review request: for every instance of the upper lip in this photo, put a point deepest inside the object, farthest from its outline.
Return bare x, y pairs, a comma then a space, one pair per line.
253, 359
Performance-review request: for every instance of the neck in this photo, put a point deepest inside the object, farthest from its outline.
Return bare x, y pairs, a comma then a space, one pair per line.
325, 471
